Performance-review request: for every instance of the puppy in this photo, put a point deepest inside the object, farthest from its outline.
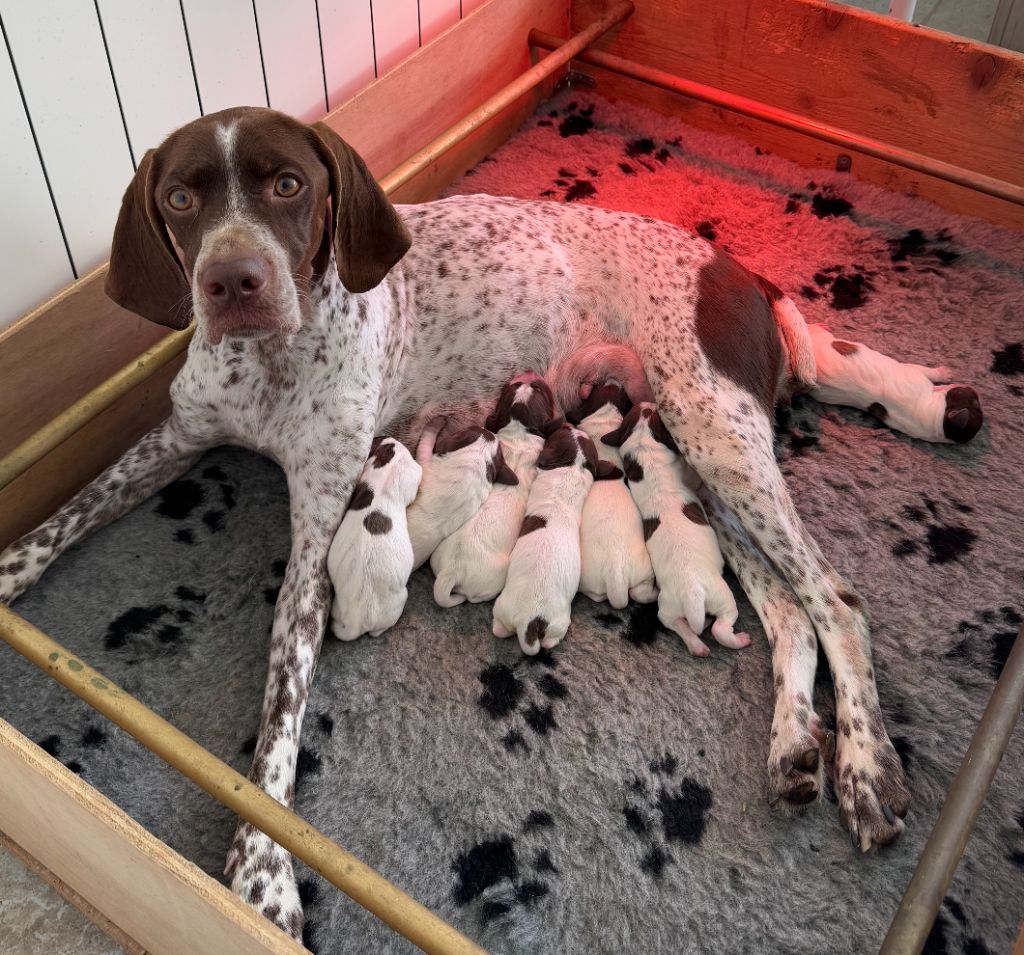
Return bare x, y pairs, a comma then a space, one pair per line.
544, 569
906, 397
614, 564
371, 556
683, 548
472, 563
458, 471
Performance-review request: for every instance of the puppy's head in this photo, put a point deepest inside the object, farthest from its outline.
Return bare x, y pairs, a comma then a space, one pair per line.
568, 447
497, 469
390, 463
608, 393
526, 399
642, 419
236, 215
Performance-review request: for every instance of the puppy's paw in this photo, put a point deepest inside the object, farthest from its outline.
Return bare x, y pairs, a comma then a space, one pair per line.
796, 761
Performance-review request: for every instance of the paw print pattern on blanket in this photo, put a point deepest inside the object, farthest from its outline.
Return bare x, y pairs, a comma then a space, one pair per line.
503, 871
664, 812
990, 633
529, 691
938, 532
157, 628
208, 499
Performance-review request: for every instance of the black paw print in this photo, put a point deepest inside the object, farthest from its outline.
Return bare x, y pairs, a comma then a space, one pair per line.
157, 628
507, 688
503, 871
663, 813
797, 430
916, 248
826, 203
575, 121
180, 500
945, 541
92, 739
848, 288
575, 187
1009, 361
992, 633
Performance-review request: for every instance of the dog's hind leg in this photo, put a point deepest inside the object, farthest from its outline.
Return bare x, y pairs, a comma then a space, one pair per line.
800, 747
162, 455
726, 435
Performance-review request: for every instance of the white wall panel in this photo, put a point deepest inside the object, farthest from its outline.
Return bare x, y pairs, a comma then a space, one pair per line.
226, 53
33, 261
58, 52
468, 6
348, 48
436, 16
396, 31
149, 56
291, 56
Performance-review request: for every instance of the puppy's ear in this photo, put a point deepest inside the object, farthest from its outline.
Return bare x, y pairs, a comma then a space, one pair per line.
575, 416
145, 275
606, 471
661, 433
616, 438
550, 427
368, 235
503, 474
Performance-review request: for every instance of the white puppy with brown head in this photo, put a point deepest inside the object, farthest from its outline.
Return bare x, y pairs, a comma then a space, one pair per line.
615, 565
544, 569
683, 548
458, 471
472, 563
371, 556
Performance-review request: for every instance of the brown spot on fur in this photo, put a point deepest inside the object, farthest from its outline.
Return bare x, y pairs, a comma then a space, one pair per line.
535, 407
852, 600
606, 394
879, 410
632, 468
737, 329
695, 513
535, 630
844, 348
651, 524
446, 443
362, 496
377, 522
531, 523
382, 452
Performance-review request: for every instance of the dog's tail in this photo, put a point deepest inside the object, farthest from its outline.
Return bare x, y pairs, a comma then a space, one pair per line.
425, 449
802, 371
444, 590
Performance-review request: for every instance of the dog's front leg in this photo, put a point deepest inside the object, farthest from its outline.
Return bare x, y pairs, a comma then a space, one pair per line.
261, 871
164, 454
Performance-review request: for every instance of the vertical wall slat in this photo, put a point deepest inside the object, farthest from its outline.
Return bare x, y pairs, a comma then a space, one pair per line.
291, 57
226, 53
396, 31
347, 34
436, 16
59, 54
33, 260
149, 56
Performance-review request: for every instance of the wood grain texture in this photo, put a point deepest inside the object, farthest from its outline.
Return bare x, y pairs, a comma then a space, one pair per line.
153, 895
926, 91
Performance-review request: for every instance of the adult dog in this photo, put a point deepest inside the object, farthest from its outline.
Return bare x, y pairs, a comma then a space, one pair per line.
325, 316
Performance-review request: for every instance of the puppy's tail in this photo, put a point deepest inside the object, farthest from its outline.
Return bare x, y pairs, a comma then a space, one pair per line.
444, 590
425, 449
802, 371
618, 589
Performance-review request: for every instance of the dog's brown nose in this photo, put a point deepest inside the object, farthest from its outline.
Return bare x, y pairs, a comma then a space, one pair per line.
234, 281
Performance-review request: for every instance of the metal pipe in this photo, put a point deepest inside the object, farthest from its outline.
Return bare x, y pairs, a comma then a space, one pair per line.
567, 50
92, 404
780, 117
945, 846
356, 879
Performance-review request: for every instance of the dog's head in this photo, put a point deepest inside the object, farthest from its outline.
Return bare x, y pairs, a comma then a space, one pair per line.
607, 393
568, 447
243, 209
526, 398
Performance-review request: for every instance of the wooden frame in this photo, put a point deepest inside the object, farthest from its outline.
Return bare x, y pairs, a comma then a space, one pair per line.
957, 101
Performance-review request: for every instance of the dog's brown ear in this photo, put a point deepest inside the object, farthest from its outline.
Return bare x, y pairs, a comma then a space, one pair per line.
503, 474
369, 237
145, 275
550, 427
661, 433
606, 471
616, 438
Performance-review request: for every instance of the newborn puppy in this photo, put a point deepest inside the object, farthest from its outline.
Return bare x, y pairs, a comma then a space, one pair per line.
472, 563
684, 550
544, 569
614, 564
906, 397
371, 557
458, 471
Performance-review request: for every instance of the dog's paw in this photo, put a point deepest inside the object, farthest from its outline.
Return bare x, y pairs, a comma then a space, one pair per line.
870, 786
261, 874
796, 760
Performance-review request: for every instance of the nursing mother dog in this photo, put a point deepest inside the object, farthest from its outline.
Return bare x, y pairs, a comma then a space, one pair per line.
325, 315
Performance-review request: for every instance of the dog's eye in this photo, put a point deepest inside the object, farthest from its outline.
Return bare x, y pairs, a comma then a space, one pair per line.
179, 199
287, 186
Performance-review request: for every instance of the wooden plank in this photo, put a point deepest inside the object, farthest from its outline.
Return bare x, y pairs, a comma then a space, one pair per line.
58, 51
225, 53
33, 260
396, 32
41, 374
346, 32
149, 57
947, 97
291, 57
163, 902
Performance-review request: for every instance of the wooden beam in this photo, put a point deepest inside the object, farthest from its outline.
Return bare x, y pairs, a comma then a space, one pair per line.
154, 896
926, 91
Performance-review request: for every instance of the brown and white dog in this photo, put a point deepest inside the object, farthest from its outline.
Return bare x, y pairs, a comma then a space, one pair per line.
325, 315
